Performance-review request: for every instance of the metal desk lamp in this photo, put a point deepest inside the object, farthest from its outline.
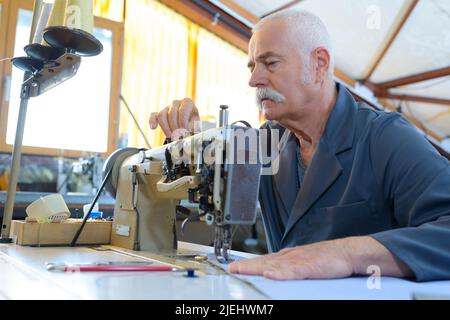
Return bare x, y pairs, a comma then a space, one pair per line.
60, 36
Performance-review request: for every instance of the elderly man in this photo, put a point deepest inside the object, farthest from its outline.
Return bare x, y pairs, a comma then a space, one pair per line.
357, 187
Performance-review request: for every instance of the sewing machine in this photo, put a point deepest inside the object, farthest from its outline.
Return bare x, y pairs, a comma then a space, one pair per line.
217, 169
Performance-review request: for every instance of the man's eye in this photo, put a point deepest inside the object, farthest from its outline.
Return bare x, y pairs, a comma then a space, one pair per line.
272, 63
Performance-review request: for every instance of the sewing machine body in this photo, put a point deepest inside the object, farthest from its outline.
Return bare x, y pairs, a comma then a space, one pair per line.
156, 213
203, 169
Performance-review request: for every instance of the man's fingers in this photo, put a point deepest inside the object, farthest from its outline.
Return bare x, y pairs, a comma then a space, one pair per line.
194, 123
164, 123
255, 266
290, 272
173, 115
248, 268
259, 261
175, 119
272, 266
233, 267
187, 113
153, 120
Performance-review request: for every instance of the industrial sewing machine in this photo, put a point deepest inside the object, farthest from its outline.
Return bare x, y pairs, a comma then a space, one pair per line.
217, 169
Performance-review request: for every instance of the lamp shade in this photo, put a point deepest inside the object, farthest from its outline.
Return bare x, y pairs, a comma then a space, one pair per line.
73, 14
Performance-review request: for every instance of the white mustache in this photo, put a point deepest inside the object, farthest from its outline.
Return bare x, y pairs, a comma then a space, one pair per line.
269, 94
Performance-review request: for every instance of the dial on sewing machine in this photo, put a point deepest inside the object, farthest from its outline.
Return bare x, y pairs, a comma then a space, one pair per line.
218, 169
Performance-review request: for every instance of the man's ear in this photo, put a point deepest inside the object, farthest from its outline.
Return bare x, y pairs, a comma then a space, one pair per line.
322, 63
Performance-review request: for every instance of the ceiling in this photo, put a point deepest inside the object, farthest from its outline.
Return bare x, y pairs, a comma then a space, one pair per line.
379, 41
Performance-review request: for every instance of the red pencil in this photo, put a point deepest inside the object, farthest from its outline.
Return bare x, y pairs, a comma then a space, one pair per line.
118, 268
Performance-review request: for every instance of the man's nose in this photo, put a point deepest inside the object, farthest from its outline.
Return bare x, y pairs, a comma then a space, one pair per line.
258, 78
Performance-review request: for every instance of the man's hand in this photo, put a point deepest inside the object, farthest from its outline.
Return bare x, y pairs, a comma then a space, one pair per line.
316, 261
325, 260
176, 119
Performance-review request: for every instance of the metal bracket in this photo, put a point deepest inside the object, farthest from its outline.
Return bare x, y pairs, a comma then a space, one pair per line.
64, 68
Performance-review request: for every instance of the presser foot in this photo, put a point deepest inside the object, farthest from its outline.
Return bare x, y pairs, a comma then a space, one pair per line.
222, 244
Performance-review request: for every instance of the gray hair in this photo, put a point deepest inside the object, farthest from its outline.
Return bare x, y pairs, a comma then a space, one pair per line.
307, 28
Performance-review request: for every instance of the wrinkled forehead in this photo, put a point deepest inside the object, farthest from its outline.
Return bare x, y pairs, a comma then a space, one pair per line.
272, 36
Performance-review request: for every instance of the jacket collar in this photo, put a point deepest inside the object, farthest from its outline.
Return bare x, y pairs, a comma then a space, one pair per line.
340, 128
324, 168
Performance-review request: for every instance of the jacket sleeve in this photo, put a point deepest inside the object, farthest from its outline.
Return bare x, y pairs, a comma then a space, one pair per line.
415, 180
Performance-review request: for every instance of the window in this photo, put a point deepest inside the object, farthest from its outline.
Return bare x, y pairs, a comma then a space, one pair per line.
3, 33
72, 116
80, 115
173, 58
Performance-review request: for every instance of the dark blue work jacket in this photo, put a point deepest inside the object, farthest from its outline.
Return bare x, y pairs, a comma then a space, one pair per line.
373, 173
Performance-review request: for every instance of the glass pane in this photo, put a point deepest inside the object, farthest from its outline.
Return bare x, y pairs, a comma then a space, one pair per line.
75, 114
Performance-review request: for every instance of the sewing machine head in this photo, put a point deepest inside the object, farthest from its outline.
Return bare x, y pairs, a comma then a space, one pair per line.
218, 169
